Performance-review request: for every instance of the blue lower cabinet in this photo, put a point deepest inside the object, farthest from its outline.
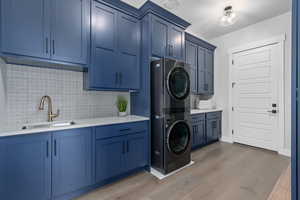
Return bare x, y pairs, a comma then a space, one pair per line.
136, 151
25, 167
72, 160
126, 150
109, 158
213, 129
206, 128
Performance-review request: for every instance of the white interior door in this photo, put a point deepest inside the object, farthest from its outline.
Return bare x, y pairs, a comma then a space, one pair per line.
255, 95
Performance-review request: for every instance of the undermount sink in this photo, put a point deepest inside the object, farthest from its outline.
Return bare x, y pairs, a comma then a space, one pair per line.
48, 125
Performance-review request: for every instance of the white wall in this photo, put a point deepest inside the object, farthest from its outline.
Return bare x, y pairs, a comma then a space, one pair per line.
263, 30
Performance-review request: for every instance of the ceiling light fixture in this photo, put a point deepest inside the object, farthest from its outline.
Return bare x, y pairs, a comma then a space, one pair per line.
229, 17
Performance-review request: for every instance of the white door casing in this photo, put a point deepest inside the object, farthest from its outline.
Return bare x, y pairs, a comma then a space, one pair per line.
256, 83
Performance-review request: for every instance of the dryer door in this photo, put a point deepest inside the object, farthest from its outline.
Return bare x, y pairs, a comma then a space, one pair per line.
178, 138
179, 83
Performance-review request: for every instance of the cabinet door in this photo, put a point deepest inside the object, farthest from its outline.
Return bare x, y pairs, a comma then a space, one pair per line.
72, 160
110, 155
202, 87
69, 30
103, 72
209, 77
159, 37
25, 27
25, 168
199, 136
129, 48
191, 59
176, 42
136, 151
213, 129
194, 136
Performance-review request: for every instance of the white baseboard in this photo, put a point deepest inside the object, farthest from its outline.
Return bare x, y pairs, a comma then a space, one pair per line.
285, 152
227, 139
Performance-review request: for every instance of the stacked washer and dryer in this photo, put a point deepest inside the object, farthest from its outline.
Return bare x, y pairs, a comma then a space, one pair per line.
170, 115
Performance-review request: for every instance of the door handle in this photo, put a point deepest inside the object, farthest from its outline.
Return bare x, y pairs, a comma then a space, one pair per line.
47, 45
47, 150
272, 111
55, 148
53, 47
127, 146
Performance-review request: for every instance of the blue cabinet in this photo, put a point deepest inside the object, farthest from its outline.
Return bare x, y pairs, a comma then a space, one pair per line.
109, 158
205, 64
120, 149
213, 127
192, 60
70, 30
25, 168
159, 37
206, 128
103, 72
198, 131
137, 151
167, 39
72, 160
129, 51
53, 31
115, 50
25, 27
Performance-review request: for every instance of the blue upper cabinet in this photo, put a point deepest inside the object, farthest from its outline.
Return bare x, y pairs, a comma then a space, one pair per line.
70, 30
191, 59
176, 42
159, 37
50, 31
25, 168
72, 160
129, 50
115, 60
202, 87
167, 39
103, 70
25, 27
205, 64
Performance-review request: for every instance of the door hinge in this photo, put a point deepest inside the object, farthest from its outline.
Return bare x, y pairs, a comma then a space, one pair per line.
232, 108
233, 84
232, 132
232, 62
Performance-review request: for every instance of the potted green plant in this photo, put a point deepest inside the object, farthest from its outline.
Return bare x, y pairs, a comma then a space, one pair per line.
122, 105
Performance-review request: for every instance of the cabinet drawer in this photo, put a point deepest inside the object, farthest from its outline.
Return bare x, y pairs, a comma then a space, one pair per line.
120, 129
197, 118
213, 115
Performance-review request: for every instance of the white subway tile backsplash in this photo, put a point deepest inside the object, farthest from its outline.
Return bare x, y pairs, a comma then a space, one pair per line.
26, 85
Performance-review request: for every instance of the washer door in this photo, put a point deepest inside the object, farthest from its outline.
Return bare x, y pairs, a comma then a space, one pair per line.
179, 137
179, 83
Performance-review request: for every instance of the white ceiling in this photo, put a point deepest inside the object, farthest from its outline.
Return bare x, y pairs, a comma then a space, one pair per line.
204, 15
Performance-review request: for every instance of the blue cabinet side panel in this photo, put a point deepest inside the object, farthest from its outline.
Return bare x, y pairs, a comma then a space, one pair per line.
25, 168
295, 101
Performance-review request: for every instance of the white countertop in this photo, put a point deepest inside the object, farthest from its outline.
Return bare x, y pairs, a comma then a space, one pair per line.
80, 123
198, 111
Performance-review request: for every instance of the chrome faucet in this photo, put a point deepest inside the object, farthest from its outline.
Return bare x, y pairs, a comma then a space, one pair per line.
51, 116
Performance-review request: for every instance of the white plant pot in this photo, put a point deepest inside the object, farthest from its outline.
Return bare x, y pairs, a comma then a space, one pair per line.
122, 114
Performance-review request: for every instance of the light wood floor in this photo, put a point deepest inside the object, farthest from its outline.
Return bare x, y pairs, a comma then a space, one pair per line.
221, 172
282, 189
